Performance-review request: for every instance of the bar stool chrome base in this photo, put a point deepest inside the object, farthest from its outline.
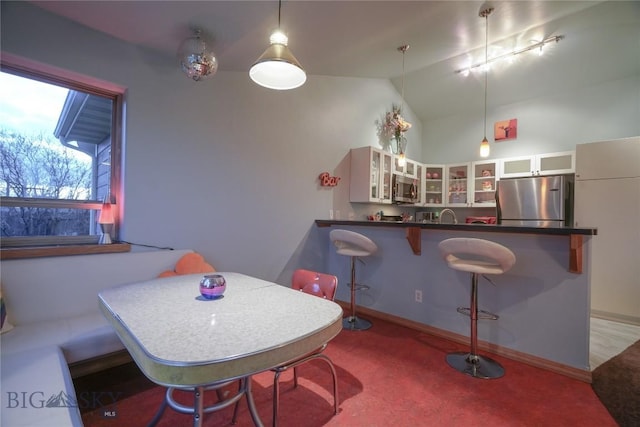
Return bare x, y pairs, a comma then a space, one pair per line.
475, 366
355, 323
487, 258
353, 245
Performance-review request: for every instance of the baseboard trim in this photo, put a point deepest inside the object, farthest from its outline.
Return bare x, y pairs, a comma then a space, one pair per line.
616, 317
538, 362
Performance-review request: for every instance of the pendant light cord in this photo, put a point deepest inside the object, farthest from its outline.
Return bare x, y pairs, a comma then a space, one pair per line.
402, 106
279, 10
402, 49
486, 70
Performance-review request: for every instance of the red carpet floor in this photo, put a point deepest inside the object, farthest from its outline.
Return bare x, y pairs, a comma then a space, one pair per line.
390, 376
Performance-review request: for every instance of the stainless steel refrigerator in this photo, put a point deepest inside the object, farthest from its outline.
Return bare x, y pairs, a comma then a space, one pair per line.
541, 201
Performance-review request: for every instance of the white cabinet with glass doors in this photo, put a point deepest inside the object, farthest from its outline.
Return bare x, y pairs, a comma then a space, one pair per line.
371, 173
419, 168
483, 186
410, 168
540, 164
434, 186
415, 171
472, 184
457, 176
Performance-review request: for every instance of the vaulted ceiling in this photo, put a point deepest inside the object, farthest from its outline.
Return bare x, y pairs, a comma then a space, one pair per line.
360, 39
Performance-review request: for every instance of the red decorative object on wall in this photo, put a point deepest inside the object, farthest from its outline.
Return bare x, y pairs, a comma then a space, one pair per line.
327, 180
506, 129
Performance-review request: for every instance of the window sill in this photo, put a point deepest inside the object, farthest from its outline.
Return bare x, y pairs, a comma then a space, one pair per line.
62, 250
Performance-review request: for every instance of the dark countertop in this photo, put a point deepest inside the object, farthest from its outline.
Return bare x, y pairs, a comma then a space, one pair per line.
491, 228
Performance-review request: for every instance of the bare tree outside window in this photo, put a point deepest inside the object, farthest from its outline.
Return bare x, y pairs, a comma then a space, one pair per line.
55, 159
38, 167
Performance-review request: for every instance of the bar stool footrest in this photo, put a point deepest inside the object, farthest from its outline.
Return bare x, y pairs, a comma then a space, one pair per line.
359, 287
482, 314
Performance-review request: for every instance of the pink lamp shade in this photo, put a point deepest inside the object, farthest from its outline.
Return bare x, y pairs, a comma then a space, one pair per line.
106, 213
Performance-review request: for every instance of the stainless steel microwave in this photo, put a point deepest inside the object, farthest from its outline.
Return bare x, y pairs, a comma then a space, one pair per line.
405, 190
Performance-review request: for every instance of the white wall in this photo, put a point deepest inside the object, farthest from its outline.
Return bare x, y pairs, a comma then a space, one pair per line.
573, 101
553, 123
224, 166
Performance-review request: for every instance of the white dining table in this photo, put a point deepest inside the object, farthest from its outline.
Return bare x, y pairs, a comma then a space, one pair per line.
181, 340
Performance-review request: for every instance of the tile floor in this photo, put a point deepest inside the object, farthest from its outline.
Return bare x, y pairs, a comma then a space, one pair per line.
609, 338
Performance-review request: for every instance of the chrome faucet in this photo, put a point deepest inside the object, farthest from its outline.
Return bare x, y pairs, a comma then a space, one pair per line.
447, 211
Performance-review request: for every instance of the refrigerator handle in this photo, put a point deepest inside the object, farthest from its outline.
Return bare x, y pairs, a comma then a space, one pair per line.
498, 210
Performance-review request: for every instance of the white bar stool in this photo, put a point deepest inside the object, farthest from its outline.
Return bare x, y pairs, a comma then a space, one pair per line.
354, 245
485, 257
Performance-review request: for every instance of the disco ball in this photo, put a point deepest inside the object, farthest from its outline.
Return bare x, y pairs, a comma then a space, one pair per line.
197, 60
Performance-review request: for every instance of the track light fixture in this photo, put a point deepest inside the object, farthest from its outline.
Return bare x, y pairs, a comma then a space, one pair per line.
509, 55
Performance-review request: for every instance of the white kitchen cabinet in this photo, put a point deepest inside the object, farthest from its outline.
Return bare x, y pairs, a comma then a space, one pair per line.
457, 176
434, 187
412, 170
371, 173
420, 179
556, 163
472, 184
409, 169
607, 197
513, 167
483, 185
540, 164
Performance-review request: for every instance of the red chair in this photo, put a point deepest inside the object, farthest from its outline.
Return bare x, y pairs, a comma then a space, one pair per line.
323, 286
318, 284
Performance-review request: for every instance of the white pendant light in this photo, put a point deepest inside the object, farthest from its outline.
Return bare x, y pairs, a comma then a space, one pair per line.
402, 160
277, 68
485, 11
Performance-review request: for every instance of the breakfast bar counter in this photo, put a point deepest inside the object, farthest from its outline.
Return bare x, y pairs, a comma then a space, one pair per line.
413, 233
491, 228
543, 301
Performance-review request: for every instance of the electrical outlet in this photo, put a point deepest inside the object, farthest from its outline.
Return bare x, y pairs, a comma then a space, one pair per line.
418, 295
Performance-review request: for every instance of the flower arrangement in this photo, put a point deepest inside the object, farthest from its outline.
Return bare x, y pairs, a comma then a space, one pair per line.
393, 126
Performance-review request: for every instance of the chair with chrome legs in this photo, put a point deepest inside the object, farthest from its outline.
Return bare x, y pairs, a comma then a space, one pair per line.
482, 257
323, 286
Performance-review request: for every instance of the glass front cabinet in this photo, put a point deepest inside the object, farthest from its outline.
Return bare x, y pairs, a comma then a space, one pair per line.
457, 184
371, 173
468, 184
485, 177
433, 193
419, 167
472, 184
410, 168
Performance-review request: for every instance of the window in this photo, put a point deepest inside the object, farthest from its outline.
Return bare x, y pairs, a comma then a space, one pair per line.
59, 156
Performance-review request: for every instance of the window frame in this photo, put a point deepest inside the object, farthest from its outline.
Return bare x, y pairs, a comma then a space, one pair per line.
73, 81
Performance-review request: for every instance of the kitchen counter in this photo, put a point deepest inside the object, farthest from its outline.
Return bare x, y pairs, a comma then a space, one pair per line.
543, 301
413, 232
491, 228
